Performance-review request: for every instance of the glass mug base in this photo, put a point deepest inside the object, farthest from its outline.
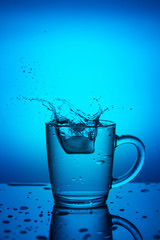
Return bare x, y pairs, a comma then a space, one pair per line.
80, 200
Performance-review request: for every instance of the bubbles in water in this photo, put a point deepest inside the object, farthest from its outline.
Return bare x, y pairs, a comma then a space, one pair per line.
99, 162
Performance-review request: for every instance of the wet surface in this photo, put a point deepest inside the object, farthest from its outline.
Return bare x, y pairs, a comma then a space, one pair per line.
28, 212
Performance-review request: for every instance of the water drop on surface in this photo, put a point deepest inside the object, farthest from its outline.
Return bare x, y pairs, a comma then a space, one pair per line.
23, 208
47, 188
83, 230
27, 220
6, 222
122, 210
156, 236
7, 231
23, 232
41, 237
144, 190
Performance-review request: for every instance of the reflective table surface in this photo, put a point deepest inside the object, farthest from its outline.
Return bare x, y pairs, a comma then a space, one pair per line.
27, 211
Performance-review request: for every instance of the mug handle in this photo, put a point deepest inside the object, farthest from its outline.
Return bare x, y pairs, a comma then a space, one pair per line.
128, 176
116, 220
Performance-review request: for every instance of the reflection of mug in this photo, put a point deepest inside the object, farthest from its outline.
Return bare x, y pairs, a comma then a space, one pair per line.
93, 224
80, 159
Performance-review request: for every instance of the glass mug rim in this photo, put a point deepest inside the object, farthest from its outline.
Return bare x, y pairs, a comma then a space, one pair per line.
101, 124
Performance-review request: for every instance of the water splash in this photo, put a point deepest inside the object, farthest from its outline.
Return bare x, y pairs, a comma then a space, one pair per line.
64, 112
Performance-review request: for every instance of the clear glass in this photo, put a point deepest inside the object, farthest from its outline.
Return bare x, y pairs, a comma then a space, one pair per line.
95, 224
80, 160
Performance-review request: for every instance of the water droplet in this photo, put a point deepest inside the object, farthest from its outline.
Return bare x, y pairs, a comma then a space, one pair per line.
87, 236
23, 208
73, 179
47, 188
99, 162
10, 216
6, 222
83, 230
7, 231
130, 191
40, 215
23, 232
156, 236
144, 216
122, 210
27, 220
80, 178
41, 237
144, 190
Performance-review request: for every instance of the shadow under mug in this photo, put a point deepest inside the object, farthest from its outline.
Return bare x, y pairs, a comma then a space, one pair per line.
80, 160
88, 224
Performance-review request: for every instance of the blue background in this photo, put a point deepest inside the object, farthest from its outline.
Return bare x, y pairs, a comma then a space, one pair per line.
78, 50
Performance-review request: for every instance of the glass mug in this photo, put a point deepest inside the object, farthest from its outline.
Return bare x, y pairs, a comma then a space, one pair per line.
89, 224
80, 160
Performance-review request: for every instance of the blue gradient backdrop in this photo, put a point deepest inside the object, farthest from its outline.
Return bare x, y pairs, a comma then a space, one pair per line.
78, 50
